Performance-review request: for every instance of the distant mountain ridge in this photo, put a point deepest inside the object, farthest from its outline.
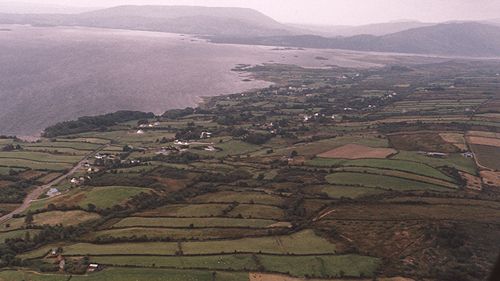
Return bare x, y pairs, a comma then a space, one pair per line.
247, 26
377, 29
174, 19
450, 39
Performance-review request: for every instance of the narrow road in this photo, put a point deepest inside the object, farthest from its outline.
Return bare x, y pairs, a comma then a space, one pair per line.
37, 192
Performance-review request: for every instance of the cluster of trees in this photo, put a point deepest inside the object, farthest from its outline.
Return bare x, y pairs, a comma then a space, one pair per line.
232, 176
93, 123
11, 147
180, 158
15, 192
47, 234
257, 138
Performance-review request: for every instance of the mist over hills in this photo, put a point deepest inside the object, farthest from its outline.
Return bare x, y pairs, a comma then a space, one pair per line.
451, 39
247, 26
376, 29
173, 19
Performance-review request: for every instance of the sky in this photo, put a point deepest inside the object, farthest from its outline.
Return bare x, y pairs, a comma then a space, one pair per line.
330, 12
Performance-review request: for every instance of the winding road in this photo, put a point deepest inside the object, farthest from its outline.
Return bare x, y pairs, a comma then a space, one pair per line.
37, 192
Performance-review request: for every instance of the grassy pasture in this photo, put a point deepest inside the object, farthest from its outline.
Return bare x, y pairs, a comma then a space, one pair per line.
313, 148
400, 165
240, 197
298, 266
64, 144
175, 233
304, 242
399, 174
101, 197
21, 163
39, 157
87, 140
232, 147
17, 234
149, 248
185, 210
406, 212
453, 160
487, 155
6, 170
257, 211
64, 150
335, 191
321, 266
195, 222
128, 274
421, 142
238, 262
65, 218
385, 182
105, 197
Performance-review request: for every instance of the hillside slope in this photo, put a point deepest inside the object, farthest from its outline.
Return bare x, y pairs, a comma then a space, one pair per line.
451, 39
175, 19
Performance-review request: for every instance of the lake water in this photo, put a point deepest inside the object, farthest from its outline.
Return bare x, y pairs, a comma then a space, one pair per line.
54, 74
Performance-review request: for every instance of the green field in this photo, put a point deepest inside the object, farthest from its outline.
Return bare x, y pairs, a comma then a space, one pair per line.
108, 196
128, 274
16, 234
65, 218
335, 191
172, 233
194, 222
240, 197
257, 211
64, 144
453, 160
299, 266
487, 156
322, 266
405, 166
304, 242
184, 210
385, 182
21, 163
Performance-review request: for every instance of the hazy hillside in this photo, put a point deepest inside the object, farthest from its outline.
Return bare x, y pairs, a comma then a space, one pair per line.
455, 39
377, 29
175, 19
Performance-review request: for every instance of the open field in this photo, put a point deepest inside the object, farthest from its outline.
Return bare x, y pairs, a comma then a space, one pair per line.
421, 142
64, 218
35, 165
384, 182
487, 156
101, 197
484, 141
453, 160
185, 210
127, 274
456, 139
305, 242
355, 151
176, 233
299, 266
409, 212
388, 164
193, 222
301, 243
240, 197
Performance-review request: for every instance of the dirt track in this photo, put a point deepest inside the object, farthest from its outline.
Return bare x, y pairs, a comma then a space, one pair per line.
34, 194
